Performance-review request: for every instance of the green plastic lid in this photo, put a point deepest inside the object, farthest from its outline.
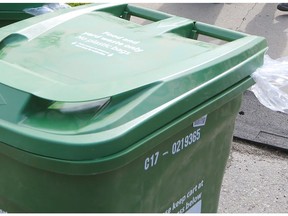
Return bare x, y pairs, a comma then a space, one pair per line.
94, 55
90, 83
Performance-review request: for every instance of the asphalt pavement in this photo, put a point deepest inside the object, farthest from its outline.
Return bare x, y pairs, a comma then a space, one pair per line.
256, 177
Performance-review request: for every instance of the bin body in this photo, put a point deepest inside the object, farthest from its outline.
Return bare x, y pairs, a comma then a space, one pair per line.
121, 131
14, 12
167, 178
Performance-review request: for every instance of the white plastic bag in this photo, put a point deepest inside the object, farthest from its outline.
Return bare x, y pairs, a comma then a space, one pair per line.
271, 86
47, 8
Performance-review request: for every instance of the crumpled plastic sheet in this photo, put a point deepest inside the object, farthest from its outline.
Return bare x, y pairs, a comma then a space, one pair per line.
271, 88
47, 8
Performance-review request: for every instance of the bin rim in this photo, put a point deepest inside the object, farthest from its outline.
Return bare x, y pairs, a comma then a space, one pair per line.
127, 155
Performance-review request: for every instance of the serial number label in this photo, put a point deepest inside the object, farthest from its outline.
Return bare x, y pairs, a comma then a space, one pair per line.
181, 144
186, 141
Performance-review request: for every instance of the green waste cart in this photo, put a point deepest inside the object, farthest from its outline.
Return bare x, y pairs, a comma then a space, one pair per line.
101, 114
14, 12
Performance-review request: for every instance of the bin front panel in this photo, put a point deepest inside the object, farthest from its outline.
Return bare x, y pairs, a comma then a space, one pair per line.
181, 174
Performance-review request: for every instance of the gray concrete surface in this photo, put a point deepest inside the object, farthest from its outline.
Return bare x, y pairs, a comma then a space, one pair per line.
256, 178
255, 181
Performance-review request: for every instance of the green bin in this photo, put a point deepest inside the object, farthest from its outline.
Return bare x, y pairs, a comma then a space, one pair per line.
14, 12
101, 114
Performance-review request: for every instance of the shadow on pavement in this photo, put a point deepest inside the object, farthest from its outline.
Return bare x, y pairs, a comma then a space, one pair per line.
273, 29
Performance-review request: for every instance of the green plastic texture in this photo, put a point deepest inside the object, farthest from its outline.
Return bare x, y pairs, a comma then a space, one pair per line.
146, 73
179, 180
100, 114
14, 12
18, 7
